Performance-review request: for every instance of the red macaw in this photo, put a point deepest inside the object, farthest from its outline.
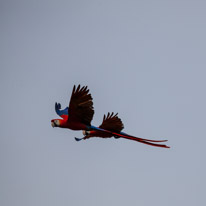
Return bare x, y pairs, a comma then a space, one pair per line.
111, 127
79, 114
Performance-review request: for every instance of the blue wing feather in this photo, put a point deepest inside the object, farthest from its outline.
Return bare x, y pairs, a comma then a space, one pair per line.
60, 112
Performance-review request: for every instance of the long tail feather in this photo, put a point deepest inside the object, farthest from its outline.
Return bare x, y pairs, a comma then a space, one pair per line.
145, 142
149, 140
138, 139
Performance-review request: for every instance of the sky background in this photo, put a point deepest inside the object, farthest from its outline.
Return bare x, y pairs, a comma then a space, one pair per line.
145, 60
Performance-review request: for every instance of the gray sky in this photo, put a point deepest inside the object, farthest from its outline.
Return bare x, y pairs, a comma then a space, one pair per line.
142, 59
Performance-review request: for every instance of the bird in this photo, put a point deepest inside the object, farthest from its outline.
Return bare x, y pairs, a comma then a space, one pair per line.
112, 126
79, 114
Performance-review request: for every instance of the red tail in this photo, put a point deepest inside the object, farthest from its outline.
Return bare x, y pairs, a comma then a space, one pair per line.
144, 141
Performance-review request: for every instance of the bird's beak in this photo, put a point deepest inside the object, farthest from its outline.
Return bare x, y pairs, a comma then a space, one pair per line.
52, 124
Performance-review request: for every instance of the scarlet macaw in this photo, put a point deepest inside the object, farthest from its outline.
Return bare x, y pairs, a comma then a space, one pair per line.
79, 114
111, 127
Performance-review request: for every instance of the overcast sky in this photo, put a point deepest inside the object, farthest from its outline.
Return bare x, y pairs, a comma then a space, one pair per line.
144, 59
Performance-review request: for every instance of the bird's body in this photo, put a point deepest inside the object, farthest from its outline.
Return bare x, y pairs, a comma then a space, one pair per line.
79, 114
64, 123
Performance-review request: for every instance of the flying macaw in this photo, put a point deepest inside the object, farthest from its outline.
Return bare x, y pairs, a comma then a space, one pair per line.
79, 114
111, 127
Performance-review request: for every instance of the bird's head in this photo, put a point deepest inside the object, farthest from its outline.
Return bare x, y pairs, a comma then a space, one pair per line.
55, 122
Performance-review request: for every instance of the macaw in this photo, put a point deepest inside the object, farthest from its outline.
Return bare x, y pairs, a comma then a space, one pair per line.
79, 114
111, 127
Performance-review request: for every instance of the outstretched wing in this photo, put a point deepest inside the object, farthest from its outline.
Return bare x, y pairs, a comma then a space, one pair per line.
112, 123
81, 106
